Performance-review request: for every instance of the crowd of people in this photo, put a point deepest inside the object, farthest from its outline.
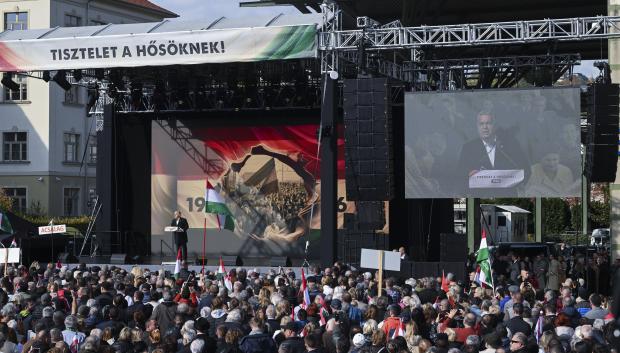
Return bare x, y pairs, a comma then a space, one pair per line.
91, 309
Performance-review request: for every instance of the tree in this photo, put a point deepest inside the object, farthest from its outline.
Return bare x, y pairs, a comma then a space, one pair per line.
6, 203
555, 215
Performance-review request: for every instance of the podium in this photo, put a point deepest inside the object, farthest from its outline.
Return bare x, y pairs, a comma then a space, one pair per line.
172, 229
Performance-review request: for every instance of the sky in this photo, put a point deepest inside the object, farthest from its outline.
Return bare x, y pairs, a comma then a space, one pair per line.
197, 9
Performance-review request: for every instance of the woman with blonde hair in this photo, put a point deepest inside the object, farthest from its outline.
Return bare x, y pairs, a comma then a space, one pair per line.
411, 335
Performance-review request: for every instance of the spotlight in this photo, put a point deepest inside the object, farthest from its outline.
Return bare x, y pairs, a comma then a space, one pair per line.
46, 76
61, 79
7, 81
77, 75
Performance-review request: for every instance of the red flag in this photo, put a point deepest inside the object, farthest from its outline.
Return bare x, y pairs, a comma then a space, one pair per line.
445, 286
59, 264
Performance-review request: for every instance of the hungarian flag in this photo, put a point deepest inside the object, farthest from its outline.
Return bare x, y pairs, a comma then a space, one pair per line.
13, 243
75, 344
323, 311
483, 272
304, 289
215, 204
177, 266
5, 225
223, 275
538, 330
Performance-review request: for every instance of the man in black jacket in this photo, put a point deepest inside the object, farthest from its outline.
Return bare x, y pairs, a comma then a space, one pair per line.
257, 341
293, 343
517, 324
202, 333
180, 236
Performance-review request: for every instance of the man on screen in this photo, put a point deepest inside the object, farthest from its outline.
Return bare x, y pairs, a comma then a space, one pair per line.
180, 236
491, 151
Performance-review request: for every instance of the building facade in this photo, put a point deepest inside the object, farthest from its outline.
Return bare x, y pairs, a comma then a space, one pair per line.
48, 152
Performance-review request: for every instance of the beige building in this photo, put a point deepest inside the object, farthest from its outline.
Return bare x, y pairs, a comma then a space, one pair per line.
48, 151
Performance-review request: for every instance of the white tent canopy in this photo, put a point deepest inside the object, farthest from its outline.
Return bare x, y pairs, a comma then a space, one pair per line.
170, 42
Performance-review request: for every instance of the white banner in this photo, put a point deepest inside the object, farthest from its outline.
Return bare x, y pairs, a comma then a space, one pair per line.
160, 49
494, 178
61, 228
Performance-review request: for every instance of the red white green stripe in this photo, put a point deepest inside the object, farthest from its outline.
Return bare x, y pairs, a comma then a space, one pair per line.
216, 205
483, 272
177, 266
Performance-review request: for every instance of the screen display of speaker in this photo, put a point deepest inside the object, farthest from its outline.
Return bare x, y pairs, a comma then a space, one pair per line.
493, 143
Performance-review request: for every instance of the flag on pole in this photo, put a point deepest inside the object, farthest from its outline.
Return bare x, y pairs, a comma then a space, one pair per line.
13, 243
445, 286
484, 273
304, 289
215, 204
177, 266
5, 225
323, 312
223, 275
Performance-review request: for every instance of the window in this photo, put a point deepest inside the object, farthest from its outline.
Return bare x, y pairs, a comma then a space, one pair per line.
501, 221
72, 96
18, 195
92, 151
71, 198
72, 142
72, 21
15, 21
15, 146
19, 95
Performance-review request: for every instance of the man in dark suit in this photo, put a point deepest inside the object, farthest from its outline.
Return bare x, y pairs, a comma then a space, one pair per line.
491, 151
180, 236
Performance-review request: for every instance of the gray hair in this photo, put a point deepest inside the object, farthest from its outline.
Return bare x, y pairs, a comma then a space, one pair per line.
71, 321
48, 311
270, 311
233, 316
189, 336
183, 308
96, 333
197, 346
473, 340
8, 310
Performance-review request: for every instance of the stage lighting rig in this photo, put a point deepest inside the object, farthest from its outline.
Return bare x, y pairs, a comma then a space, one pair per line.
366, 22
61, 80
7, 81
605, 72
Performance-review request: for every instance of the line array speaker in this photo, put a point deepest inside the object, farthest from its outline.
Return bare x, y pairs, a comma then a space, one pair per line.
369, 159
602, 138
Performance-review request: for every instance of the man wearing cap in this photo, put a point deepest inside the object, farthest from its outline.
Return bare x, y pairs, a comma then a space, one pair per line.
292, 342
201, 325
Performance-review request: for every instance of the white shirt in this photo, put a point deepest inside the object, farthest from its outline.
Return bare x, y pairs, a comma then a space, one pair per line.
490, 148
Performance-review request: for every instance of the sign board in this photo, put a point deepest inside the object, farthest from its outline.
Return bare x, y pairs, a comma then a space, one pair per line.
60, 228
370, 259
171, 229
13, 255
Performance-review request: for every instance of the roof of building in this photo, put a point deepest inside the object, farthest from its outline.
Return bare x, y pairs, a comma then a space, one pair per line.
151, 6
512, 209
165, 26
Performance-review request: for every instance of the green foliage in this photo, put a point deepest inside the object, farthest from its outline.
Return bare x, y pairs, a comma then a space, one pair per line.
80, 222
6, 203
575, 217
599, 214
555, 215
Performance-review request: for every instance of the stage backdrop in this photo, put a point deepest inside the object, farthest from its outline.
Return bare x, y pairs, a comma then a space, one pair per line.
493, 143
268, 177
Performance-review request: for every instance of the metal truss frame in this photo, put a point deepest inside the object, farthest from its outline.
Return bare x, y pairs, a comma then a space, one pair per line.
517, 32
493, 72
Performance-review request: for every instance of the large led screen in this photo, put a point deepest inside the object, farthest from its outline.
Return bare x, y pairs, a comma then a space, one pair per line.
493, 143
267, 176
